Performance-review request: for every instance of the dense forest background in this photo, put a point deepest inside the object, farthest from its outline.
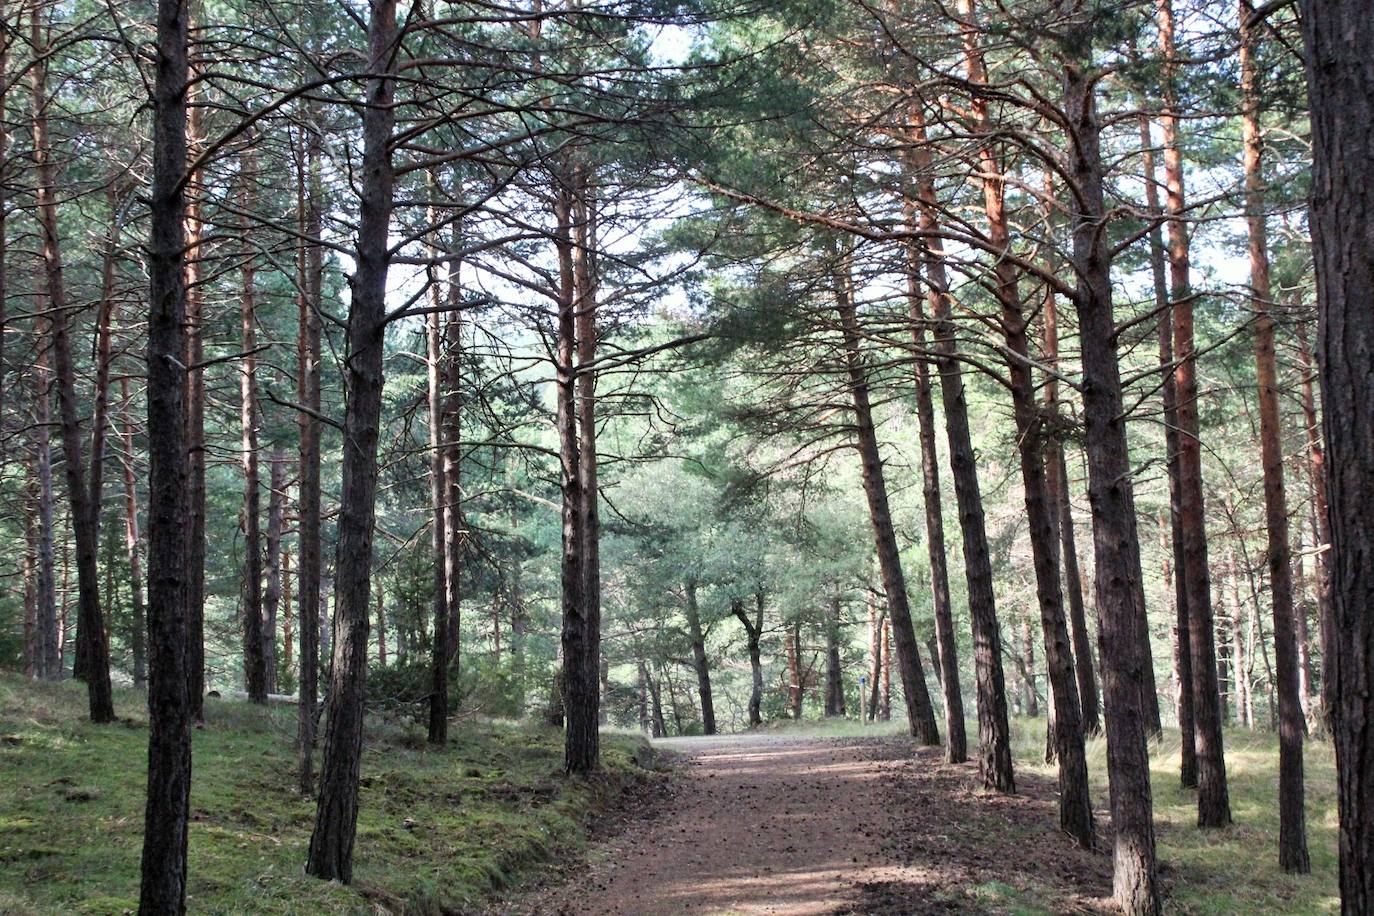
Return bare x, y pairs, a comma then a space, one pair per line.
684, 367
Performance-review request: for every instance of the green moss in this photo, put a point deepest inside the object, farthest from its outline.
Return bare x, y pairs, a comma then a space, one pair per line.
438, 830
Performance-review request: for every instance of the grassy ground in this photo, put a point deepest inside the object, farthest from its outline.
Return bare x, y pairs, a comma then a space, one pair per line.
438, 830
1224, 872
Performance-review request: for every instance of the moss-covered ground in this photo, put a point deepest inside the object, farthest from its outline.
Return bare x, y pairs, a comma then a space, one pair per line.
438, 831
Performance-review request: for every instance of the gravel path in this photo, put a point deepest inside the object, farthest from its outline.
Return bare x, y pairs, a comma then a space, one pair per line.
796, 826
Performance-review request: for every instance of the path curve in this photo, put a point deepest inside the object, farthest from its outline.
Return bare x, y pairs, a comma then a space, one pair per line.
792, 825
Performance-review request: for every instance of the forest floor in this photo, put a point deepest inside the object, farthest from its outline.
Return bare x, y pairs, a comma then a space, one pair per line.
794, 824
439, 831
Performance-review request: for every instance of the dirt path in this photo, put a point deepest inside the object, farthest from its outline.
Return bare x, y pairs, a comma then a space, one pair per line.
795, 826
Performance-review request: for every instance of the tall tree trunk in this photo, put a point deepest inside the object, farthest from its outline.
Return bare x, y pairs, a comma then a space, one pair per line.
1075, 805
1316, 465
1116, 543
254, 656
1214, 806
195, 415
1061, 520
308, 571
956, 745
753, 631
45, 583
1168, 390
1338, 35
162, 887
452, 433
579, 687
920, 713
994, 732
438, 493
792, 644
131, 539
382, 635
331, 844
699, 661
1292, 818
93, 651
834, 671
586, 754
271, 599
288, 631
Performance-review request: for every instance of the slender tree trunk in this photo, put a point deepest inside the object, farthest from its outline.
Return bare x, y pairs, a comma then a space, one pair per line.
956, 746
1214, 806
994, 732
585, 755
1316, 464
131, 540
271, 599
1292, 818
162, 888
1075, 805
1061, 523
1168, 389
309, 303
288, 631
1338, 35
834, 671
920, 713
792, 644
887, 670
580, 748
49, 623
331, 844
753, 631
254, 656
195, 418
1116, 543
452, 434
438, 491
93, 651
699, 661
381, 632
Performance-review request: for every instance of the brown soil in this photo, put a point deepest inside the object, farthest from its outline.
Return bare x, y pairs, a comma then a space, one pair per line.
794, 826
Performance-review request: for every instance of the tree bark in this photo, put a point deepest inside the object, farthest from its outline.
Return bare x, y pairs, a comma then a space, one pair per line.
45, 581
1061, 521
586, 756
994, 733
131, 539
1338, 35
1316, 466
1292, 818
699, 661
93, 651
956, 744
1214, 806
438, 493
1169, 394
162, 888
254, 654
309, 303
753, 631
1116, 543
579, 688
834, 671
272, 592
331, 844
195, 418
920, 713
